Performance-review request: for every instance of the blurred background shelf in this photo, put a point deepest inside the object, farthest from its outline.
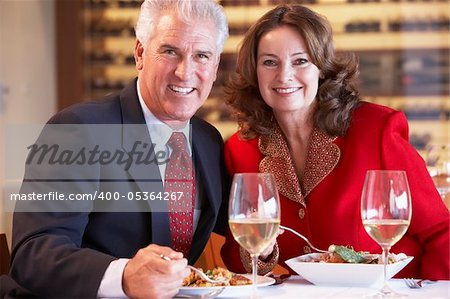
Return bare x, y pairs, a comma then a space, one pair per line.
376, 41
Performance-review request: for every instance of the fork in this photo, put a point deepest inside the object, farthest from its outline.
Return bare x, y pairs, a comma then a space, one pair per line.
304, 238
412, 284
415, 284
200, 273
209, 295
279, 279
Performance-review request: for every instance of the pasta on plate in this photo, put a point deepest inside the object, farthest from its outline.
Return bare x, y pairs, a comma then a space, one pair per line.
232, 279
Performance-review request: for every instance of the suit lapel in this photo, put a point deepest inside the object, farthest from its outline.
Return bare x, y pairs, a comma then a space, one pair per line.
209, 171
135, 139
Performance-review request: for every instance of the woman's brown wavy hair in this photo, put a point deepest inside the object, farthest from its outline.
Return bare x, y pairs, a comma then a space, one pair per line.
336, 97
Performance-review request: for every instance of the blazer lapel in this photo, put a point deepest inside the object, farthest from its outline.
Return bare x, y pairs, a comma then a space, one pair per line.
322, 157
146, 175
277, 160
210, 182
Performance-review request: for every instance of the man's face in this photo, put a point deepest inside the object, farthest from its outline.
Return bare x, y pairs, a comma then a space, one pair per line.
177, 68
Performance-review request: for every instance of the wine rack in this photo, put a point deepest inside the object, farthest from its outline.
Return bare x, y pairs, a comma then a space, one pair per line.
403, 47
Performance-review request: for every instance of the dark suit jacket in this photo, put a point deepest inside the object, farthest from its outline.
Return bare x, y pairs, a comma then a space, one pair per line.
65, 254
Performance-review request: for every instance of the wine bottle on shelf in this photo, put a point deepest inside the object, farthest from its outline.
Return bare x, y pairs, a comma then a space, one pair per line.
100, 56
394, 25
97, 4
129, 3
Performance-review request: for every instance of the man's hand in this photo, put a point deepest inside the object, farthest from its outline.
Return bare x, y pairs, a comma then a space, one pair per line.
147, 275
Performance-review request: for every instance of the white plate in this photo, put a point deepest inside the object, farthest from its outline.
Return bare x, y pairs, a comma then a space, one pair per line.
229, 290
343, 274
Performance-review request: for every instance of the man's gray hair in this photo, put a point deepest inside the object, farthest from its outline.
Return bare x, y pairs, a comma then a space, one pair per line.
187, 10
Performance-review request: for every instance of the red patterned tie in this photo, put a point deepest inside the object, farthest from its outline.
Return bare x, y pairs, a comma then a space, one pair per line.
180, 179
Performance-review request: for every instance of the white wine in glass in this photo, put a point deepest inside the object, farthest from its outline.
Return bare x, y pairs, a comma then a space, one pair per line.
386, 214
386, 232
254, 234
254, 214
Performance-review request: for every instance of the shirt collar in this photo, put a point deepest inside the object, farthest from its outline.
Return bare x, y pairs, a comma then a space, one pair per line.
159, 131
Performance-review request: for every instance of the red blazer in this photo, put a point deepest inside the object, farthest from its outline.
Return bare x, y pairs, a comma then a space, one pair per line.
326, 208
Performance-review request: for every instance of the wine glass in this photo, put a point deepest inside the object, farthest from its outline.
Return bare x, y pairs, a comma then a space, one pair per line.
438, 163
254, 214
386, 213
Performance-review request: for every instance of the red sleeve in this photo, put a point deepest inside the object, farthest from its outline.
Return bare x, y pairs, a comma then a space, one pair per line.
228, 156
430, 217
240, 156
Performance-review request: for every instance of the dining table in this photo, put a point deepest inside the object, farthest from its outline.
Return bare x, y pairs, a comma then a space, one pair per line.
297, 287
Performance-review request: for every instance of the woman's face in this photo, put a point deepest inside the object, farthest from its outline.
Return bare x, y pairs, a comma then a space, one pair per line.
287, 79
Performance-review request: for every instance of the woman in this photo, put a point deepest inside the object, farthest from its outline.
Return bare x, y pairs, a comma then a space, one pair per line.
302, 119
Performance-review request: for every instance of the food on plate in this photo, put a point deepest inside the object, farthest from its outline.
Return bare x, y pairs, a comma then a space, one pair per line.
231, 279
346, 254
239, 280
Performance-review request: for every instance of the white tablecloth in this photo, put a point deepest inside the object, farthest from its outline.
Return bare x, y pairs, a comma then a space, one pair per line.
296, 287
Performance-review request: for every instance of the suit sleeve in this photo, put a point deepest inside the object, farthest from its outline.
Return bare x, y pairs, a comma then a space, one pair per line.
47, 254
430, 217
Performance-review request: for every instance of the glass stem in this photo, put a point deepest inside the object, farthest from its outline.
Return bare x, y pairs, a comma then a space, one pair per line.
254, 275
386, 289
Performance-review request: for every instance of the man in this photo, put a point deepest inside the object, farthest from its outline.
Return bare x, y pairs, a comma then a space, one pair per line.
88, 252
